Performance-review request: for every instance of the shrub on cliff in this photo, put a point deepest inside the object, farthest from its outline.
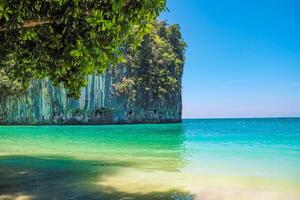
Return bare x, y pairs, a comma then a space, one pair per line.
9, 87
156, 68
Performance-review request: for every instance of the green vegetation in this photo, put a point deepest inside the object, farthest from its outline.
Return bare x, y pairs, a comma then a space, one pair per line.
103, 111
78, 112
126, 86
157, 67
66, 40
9, 87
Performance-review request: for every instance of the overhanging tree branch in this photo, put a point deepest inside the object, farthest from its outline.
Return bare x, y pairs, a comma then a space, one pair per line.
31, 23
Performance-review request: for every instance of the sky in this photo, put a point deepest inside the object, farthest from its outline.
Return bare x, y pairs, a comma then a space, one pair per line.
242, 59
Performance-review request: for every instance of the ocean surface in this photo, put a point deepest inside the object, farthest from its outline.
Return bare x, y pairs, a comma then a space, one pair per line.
205, 159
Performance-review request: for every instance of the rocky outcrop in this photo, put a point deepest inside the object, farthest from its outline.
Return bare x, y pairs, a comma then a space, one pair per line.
98, 104
147, 89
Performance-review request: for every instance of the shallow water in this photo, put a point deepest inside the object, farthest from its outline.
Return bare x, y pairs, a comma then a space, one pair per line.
241, 159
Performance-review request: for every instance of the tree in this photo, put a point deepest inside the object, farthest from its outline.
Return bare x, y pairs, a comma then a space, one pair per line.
8, 87
66, 40
156, 68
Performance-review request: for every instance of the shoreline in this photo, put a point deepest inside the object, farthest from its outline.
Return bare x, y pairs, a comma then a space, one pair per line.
179, 121
96, 124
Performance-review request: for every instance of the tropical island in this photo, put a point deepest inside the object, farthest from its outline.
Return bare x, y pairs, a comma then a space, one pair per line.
144, 89
129, 64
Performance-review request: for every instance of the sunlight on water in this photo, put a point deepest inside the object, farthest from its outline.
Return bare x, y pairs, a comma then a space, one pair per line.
242, 159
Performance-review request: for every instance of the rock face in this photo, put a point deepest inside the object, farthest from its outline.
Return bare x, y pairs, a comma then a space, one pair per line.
98, 104
147, 89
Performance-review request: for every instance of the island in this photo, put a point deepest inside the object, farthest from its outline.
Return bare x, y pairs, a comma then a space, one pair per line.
144, 89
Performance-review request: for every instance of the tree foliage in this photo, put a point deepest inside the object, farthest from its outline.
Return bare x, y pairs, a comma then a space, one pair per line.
66, 40
9, 87
157, 66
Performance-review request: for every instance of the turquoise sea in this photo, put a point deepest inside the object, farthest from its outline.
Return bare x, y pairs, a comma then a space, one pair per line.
205, 159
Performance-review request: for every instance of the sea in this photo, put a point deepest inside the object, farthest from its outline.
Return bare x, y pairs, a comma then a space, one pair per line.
203, 159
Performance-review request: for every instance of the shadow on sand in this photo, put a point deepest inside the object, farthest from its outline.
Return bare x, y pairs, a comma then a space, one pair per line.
25, 177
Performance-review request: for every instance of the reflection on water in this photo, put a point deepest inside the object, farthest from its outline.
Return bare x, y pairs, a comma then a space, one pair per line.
201, 159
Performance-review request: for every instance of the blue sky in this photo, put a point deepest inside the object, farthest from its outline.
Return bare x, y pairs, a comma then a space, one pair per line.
243, 57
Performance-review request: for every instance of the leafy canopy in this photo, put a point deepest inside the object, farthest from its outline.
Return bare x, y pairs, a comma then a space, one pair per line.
7, 86
66, 40
156, 68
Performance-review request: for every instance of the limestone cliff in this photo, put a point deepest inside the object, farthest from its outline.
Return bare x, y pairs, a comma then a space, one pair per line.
147, 89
